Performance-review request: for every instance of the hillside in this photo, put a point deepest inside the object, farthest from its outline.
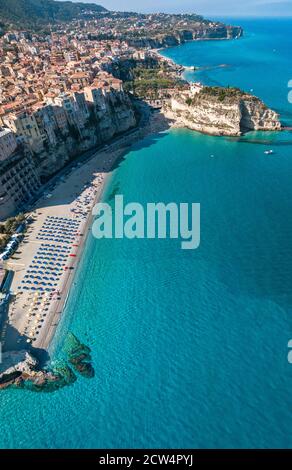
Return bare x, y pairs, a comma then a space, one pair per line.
39, 12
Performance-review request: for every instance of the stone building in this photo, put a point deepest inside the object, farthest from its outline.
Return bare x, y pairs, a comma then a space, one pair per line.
18, 183
8, 143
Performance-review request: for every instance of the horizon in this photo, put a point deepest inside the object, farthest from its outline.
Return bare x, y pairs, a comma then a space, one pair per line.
222, 9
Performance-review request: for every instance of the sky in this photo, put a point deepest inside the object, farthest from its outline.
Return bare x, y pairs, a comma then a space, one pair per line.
205, 7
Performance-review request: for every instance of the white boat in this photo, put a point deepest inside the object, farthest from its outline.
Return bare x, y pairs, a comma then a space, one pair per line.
269, 152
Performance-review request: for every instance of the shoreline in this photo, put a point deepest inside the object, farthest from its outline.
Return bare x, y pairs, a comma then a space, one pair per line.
107, 157
180, 122
98, 169
70, 279
188, 68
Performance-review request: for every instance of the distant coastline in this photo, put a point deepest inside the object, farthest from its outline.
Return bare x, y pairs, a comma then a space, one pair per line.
217, 110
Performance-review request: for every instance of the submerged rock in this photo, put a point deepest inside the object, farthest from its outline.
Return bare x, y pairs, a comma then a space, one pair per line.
84, 368
73, 347
20, 369
79, 356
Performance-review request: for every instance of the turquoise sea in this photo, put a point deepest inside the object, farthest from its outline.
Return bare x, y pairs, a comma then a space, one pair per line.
190, 348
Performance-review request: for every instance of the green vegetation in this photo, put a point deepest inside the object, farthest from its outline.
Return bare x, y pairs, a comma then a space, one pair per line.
222, 93
36, 13
148, 83
8, 228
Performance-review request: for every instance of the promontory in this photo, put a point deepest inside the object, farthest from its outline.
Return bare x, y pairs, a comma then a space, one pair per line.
220, 111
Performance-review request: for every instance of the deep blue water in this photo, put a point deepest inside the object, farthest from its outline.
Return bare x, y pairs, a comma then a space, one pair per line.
190, 348
260, 61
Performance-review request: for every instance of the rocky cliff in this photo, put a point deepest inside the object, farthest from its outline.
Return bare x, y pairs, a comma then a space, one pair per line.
221, 111
202, 31
115, 116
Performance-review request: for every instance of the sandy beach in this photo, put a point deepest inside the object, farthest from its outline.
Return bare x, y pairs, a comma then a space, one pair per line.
45, 263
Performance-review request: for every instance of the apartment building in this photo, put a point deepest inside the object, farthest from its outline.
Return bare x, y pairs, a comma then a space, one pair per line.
8, 143
19, 182
25, 125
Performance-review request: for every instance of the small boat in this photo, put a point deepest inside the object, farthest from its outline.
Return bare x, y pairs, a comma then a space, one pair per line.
269, 152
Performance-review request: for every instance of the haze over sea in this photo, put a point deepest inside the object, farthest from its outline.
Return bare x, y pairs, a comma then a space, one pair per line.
190, 348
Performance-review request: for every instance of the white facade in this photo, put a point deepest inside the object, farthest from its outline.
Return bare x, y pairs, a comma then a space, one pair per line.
8, 143
196, 87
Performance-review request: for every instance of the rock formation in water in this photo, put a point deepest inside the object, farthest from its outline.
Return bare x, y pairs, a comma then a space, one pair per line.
20, 369
221, 111
79, 356
13, 365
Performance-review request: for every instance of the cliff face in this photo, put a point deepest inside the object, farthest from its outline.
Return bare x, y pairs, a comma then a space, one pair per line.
114, 117
218, 32
203, 31
256, 116
219, 115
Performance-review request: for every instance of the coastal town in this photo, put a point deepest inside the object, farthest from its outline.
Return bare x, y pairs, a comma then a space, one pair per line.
60, 98
73, 98
53, 90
